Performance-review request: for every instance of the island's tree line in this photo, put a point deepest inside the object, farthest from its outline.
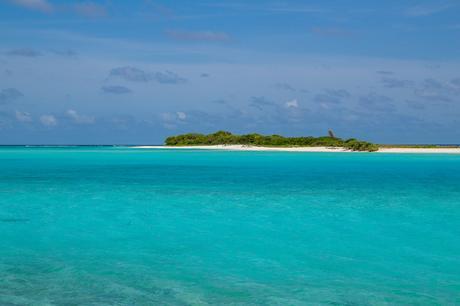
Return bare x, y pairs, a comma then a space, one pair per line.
227, 138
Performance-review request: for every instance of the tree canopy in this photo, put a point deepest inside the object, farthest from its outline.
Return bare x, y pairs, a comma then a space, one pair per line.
227, 138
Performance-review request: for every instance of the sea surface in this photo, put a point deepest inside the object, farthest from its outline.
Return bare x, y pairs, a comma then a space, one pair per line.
126, 226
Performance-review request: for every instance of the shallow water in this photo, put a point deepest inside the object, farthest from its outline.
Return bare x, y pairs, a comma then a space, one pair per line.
122, 226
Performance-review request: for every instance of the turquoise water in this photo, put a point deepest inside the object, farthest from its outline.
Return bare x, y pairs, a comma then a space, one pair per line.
121, 226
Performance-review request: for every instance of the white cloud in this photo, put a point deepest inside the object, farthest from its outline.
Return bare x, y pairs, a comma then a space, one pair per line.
48, 120
23, 116
292, 103
181, 115
37, 5
79, 119
167, 117
168, 120
172, 120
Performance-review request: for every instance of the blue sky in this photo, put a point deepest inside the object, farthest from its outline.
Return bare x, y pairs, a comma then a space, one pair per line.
134, 72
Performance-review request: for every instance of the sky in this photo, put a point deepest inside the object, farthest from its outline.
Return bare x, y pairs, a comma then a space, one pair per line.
135, 72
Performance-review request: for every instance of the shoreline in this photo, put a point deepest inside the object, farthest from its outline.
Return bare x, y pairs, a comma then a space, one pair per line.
306, 149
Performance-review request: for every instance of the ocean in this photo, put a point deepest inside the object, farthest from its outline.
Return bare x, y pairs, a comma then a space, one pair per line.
126, 226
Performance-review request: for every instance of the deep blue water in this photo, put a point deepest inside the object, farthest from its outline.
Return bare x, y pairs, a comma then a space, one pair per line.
124, 226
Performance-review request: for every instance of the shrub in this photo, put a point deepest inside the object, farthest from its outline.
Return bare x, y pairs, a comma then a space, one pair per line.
226, 138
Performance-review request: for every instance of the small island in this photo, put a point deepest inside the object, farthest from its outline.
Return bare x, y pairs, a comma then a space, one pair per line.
223, 140
257, 140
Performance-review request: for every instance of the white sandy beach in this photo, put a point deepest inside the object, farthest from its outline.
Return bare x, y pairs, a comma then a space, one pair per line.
308, 149
420, 150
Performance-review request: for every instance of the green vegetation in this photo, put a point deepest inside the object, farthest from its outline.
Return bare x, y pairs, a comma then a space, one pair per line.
227, 138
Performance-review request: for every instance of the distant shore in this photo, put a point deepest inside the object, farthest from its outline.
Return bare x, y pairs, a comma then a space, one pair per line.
307, 149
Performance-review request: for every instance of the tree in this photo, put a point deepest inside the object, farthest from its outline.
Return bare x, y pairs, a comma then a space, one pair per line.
226, 138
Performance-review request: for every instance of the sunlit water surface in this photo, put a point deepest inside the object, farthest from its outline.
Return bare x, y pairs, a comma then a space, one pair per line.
124, 226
